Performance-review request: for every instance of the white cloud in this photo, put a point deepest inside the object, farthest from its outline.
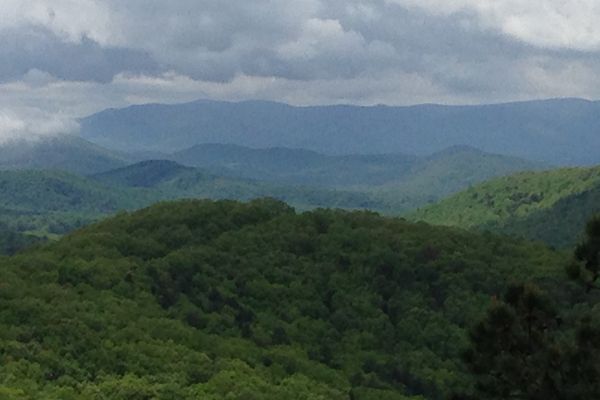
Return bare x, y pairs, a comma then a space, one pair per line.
68, 19
556, 24
33, 124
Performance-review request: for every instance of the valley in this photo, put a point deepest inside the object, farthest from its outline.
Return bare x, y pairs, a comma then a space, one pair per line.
277, 272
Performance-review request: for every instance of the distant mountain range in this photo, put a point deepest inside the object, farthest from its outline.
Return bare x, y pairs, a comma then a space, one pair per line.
58, 183
560, 131
398, 182
552, 206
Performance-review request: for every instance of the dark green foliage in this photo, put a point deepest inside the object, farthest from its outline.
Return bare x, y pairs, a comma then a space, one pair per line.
200, 299
12, 242
526, 348
586, 265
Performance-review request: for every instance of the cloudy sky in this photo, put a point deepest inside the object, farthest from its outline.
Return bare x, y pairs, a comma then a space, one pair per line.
61, 59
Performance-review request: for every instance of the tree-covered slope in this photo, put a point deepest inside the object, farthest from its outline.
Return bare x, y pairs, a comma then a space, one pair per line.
42, 191
551, 205
149, 173
297, 166
54, 202
12, 241
444, 173
436, 175
214, 300
169, 180
398, 182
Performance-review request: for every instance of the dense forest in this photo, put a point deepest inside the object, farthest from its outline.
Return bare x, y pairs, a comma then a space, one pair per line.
203, 299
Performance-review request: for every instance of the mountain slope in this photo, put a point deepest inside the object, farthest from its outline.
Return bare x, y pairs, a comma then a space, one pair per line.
66, 153
147, 173
447, 172
297, 166
41, 191
560, 131
12, 241
169, 180
400, 182
551, 205
218, 300
55, 202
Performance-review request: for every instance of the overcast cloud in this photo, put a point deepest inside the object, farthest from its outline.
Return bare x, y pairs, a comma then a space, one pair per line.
62, 59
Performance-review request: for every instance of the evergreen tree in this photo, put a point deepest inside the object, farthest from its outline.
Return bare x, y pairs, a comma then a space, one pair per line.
525, 349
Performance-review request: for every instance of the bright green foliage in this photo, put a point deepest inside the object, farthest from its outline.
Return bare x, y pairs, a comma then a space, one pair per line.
552, 206
223, 300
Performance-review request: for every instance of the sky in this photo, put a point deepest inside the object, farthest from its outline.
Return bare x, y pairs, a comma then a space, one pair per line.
64, 59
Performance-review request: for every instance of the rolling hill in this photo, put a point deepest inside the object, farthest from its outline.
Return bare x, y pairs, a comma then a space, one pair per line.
444, 173
217, 300
297, 166
552, 206
54, 202
65, 153
559, 131
170, 180
398, 182
41, 202
456, 167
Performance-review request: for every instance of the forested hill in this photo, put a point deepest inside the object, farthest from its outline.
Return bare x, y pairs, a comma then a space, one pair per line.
52, 202
215, 300
434, 175
552, 206
560, 131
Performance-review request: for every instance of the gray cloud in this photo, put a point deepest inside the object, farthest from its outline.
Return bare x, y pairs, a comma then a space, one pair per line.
34, 48
74, 57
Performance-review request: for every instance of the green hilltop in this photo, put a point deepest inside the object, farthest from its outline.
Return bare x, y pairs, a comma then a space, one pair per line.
226, 300
552, 206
